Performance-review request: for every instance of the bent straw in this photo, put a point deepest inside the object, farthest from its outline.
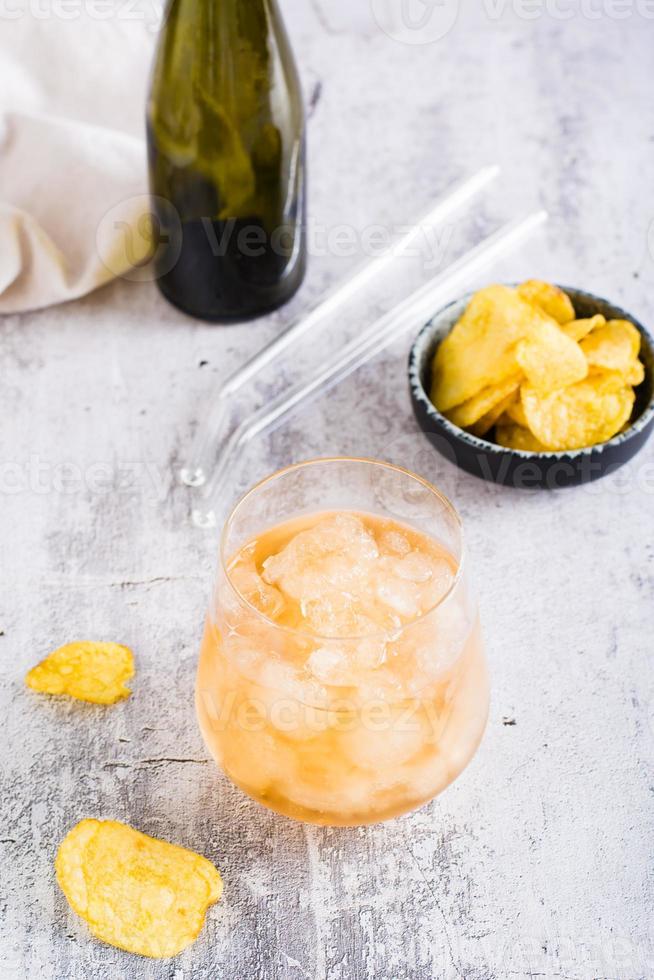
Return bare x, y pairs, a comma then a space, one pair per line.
194, 474
415, 310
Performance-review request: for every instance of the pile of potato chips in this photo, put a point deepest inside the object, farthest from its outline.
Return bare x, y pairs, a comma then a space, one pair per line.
518, 362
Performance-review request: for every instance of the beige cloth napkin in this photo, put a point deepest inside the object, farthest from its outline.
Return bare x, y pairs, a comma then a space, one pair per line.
73, 184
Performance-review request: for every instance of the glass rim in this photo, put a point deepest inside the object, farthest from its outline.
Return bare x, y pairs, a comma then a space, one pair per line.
309, 634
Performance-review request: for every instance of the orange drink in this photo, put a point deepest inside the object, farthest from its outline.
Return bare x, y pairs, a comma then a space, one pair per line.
341, 677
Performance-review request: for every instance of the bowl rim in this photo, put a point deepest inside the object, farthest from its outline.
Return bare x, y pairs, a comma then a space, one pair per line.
484, 445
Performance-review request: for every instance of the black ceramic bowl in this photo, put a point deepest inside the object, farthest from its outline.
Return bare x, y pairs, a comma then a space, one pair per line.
513, 467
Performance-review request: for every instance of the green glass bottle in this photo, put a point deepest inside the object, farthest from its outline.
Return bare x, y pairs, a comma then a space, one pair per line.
226, 147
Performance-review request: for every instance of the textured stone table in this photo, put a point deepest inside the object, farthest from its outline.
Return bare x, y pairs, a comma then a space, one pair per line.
538, 861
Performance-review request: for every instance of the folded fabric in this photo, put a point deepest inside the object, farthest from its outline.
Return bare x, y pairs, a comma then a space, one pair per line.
72, 221
73, 179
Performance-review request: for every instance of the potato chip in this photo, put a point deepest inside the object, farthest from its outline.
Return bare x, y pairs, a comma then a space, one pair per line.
548, 298
614, 346
583, 414
516, 413
136, 892
577, 329
631, 330
481, 404
520, 363
487, 421
88, 671
518, 437
635, 374
549, 358
479, 350
608, 380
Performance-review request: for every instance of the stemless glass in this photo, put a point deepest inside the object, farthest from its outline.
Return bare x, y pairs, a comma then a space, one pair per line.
318, 721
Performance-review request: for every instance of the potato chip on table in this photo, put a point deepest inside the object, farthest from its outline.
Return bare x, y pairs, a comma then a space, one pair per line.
135, 892
88, 671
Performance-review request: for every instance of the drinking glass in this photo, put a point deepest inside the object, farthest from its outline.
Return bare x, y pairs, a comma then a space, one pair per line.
342, 678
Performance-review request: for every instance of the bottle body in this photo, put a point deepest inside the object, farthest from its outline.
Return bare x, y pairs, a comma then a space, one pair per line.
226, 149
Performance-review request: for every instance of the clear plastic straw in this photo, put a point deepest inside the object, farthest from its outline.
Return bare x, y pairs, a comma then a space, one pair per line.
195, 472
410, 314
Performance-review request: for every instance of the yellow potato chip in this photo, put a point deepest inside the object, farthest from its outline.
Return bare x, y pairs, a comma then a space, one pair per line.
549, 358
614, 346
583, 414
635, 374
88, 671
631, 330
479, 350
548, 298
136, 892
517, 437
578, 329
484, 402
608, 380
487, 421
516, 413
